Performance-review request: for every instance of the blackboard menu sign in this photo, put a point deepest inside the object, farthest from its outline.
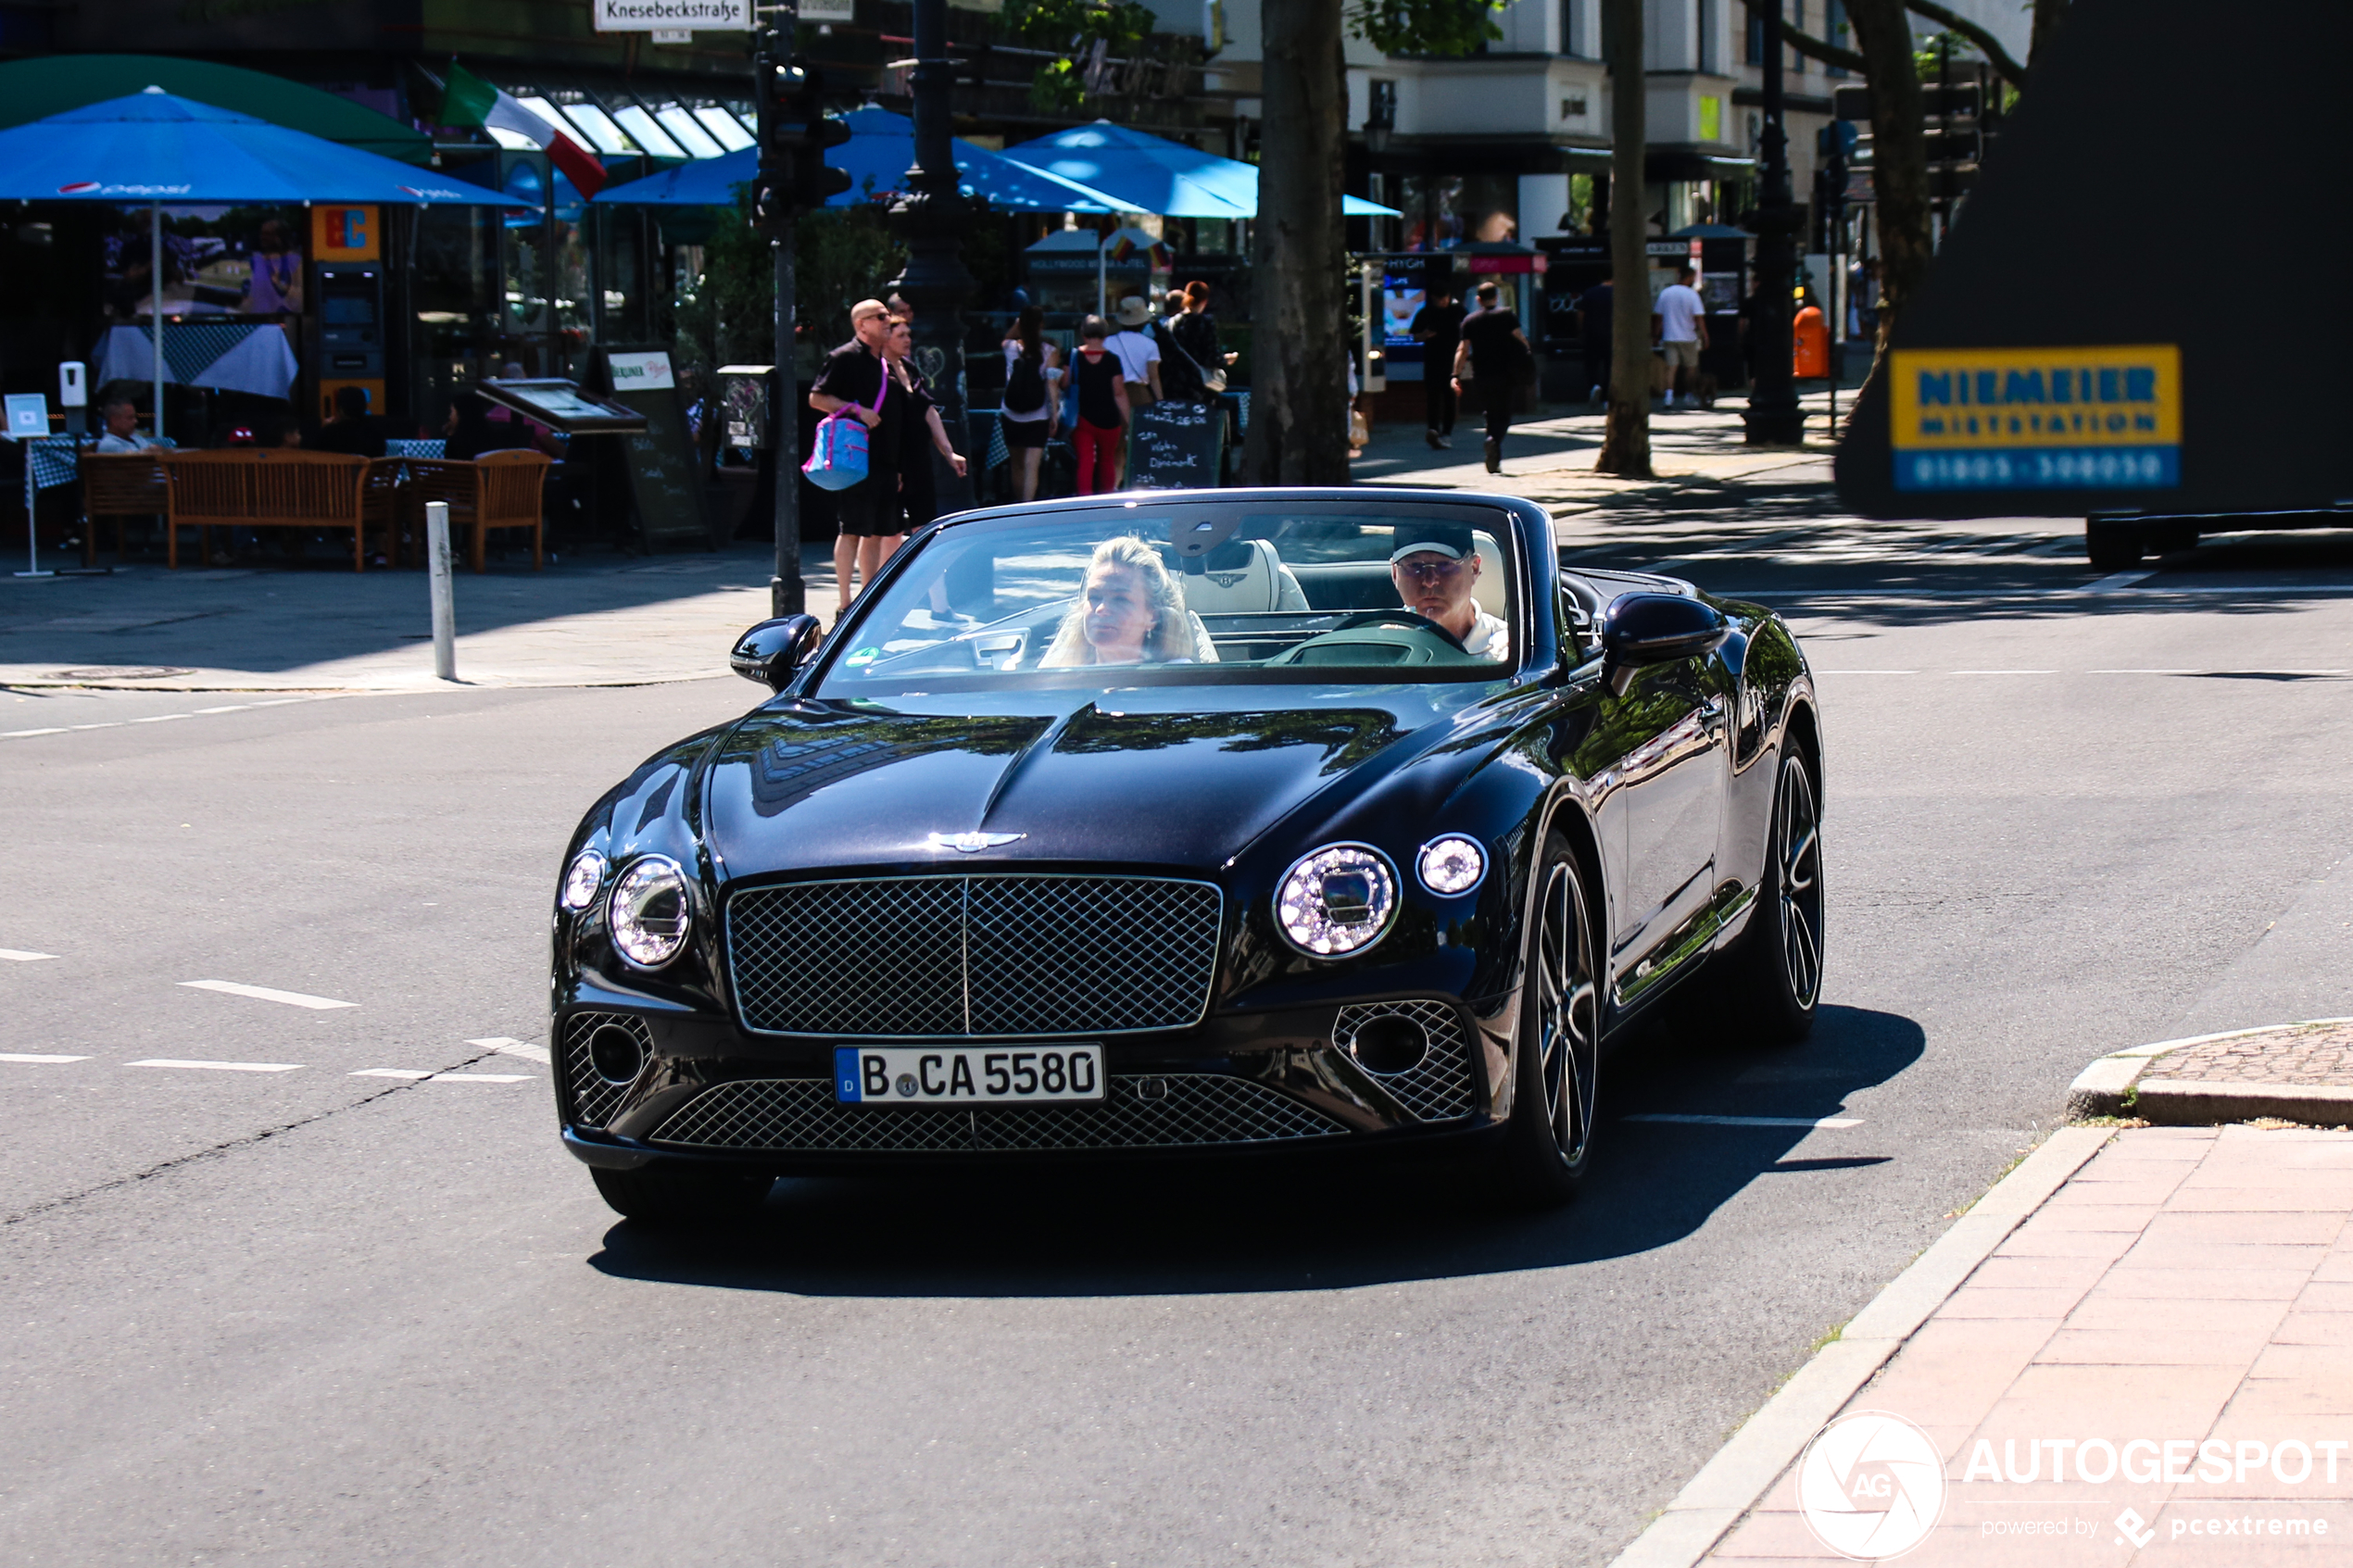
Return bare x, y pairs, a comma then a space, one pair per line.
665, 470
1177, 446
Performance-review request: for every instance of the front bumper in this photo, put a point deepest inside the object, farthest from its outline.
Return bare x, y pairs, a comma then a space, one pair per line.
1237, 1084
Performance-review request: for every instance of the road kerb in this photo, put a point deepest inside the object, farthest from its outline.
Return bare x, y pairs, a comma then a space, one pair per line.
1730, 1485
2113, 1081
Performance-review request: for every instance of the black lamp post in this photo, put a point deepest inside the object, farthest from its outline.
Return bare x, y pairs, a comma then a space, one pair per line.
932, 219
1774, 417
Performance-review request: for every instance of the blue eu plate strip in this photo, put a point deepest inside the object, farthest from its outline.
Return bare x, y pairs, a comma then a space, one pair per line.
846, 1087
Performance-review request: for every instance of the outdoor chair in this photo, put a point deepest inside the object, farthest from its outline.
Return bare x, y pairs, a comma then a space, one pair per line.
495, 490
253, 488
117, 486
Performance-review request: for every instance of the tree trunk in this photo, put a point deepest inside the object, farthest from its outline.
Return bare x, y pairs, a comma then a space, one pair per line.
2048, 14
1626, 437
1899, 155
1298, 251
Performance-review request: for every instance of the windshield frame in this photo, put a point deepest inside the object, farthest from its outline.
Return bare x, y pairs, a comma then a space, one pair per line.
1505, 519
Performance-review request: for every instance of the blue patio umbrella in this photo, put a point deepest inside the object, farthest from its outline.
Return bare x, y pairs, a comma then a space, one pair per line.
1148, 173
880, 150
155, 147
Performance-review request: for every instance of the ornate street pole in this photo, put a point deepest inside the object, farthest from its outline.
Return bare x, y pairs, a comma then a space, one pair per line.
933, 220
1774, 417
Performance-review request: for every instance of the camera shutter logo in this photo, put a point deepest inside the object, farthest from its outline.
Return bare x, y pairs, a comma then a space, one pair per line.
1871, 1486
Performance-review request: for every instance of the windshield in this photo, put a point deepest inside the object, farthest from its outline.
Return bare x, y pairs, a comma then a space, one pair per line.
1194, 593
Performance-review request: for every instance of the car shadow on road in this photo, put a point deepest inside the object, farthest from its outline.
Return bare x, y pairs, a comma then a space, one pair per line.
1183, 1228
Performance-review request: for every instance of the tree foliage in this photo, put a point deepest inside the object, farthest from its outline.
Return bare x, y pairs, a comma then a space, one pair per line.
1424, 27
1073, 29
841, 255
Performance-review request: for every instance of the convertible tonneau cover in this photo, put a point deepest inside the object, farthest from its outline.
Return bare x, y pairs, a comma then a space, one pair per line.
2142, 307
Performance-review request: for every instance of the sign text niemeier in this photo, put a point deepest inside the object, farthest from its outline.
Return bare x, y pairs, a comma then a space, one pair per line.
2106, 418
647, 15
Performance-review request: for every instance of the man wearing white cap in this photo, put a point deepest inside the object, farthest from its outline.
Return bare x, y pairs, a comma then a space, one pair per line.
1139, 360
1435, 567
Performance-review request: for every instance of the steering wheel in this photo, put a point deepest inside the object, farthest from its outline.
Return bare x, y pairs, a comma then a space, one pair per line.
1408, 618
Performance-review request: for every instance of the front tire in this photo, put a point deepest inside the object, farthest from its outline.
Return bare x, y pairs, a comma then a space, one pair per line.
1548, 1144
675, 1199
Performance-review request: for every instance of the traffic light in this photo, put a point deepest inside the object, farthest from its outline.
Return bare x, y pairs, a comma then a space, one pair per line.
794, 132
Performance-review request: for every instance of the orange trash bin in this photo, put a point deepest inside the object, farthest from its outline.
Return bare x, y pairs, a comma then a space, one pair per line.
1810, 346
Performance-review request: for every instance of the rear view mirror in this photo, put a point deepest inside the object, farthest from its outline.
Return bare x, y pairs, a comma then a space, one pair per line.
773, 651
1640, 629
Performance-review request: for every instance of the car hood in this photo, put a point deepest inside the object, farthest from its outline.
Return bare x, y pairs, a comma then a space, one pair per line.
1107, 778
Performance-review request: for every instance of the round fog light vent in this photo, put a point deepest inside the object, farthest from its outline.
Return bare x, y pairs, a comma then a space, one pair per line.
1390, 1043
615, 1054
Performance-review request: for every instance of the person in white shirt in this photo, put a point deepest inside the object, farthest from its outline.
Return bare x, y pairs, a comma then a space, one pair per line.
1139, 355
1435, 567
1678, 322
121, 419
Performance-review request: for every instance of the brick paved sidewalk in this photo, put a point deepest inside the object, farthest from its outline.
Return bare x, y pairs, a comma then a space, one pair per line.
2190, 1288
2303, 1053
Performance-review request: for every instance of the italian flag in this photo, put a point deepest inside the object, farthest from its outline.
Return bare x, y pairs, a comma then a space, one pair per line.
469, 100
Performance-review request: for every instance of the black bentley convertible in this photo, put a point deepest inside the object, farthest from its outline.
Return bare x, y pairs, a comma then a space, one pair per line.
1189, 824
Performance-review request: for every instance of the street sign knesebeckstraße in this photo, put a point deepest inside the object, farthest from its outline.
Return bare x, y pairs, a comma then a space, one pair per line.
668, 16
2100, 418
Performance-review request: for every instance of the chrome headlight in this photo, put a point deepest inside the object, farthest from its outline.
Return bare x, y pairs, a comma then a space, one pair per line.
582, 878
1338, 900
1450, 866
648, 912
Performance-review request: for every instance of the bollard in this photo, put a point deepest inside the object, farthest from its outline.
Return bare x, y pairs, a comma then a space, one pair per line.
445, 609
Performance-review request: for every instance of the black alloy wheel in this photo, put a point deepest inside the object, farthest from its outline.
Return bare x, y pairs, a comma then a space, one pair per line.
681, 1199
1549, 1143
1797, 852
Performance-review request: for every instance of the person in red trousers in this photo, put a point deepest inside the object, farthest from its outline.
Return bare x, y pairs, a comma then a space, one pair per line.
1100, 388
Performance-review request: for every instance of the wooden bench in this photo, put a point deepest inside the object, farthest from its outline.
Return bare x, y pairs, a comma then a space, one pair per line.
257, 488
117, 486
495, 490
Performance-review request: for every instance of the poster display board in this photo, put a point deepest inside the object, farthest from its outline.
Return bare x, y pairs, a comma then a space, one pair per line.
1177, 447
665, 468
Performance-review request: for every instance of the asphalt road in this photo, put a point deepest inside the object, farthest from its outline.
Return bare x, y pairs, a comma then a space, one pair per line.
302, 1311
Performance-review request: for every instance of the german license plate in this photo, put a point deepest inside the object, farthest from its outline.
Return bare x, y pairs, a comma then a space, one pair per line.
967, 1075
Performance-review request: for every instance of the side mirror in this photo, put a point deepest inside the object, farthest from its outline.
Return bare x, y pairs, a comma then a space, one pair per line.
1640, 629
773, 651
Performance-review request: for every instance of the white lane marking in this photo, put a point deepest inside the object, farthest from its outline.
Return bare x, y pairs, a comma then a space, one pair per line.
264, 993
21, 956
22, 1056
222, 1066
159, 718
1750, 1121
2144, 672
1865, 671
484, 1077
2116, 579
514, 1048
2005, 671
109, 724
19, 734
391, 1072
232, 707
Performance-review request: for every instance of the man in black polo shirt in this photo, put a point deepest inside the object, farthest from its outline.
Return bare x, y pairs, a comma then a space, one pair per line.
855, 375
1438, 326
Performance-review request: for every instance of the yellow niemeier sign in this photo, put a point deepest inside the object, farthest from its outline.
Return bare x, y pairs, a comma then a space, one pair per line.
1993, 419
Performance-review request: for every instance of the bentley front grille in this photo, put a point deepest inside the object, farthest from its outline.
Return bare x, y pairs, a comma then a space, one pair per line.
1439, 1087
593, 1097
973, 957
799, 1115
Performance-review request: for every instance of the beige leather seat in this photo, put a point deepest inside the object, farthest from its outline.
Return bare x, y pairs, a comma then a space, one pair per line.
1490, 589
1260, 582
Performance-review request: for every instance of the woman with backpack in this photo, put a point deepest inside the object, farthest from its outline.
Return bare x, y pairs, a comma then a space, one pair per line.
1099, 382
1032, 406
